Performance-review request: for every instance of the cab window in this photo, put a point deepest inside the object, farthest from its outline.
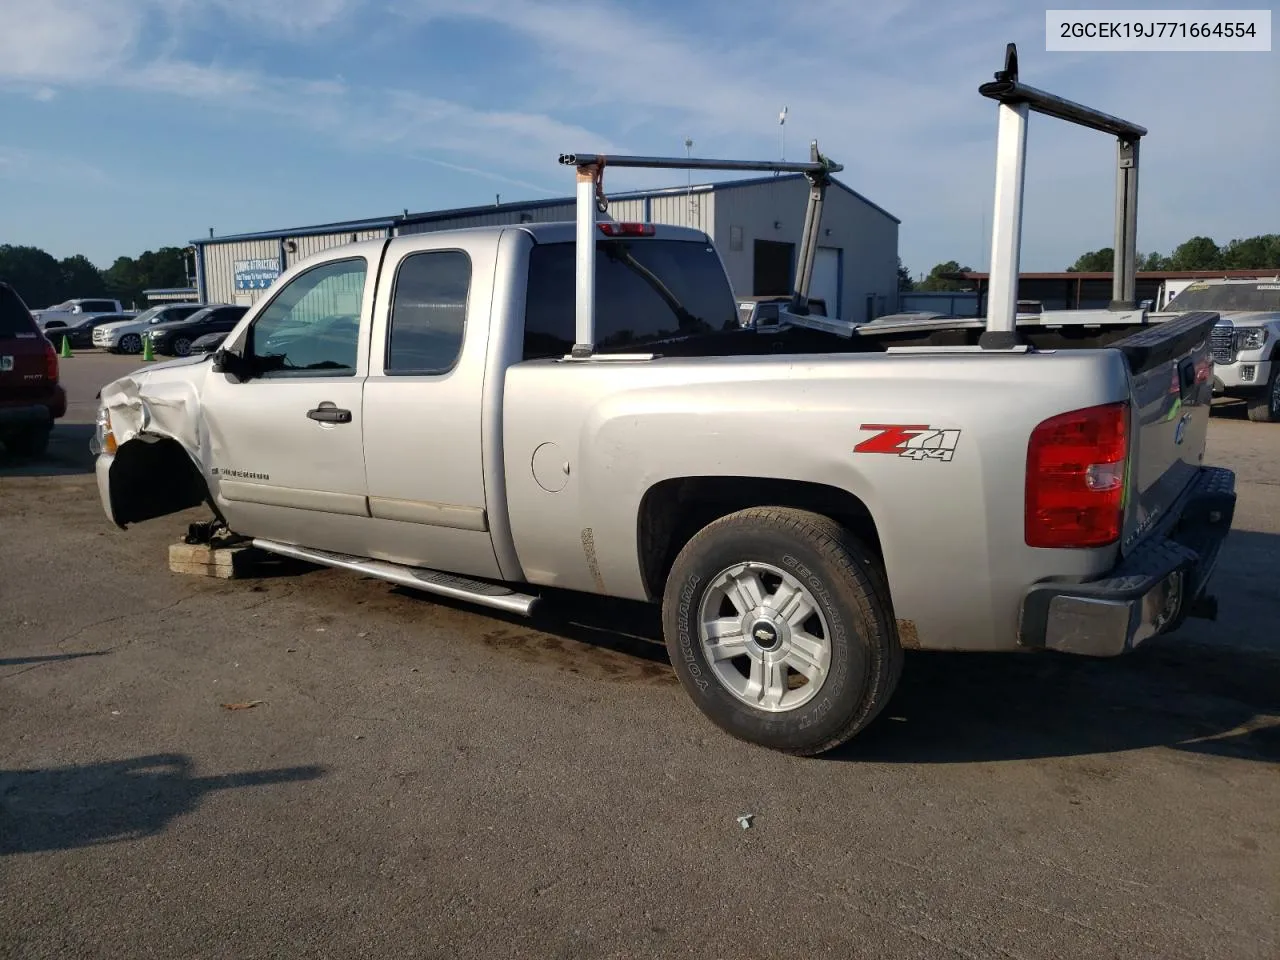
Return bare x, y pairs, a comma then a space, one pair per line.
428, 313
312, 326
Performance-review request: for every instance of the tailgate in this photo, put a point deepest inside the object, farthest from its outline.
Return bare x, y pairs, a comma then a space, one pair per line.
1171, 388
22, 349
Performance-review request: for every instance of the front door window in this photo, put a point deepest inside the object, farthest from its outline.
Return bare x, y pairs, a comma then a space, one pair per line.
311, 328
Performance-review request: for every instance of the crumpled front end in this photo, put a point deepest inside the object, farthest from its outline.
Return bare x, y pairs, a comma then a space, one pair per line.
151, 444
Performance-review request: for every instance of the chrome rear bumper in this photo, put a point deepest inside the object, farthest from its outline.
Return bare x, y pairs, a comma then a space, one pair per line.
1150, 593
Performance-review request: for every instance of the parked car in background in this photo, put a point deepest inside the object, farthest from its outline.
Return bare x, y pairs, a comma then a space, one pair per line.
80, 334
31, 398
208, 343
174, 338
72, 311
126, 336
1246, 340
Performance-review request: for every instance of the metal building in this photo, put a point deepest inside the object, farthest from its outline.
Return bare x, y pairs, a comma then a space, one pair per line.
755, 224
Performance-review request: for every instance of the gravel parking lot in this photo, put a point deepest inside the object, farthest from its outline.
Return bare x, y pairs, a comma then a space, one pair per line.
416, 778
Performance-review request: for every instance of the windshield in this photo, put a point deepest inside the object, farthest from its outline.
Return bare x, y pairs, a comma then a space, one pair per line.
1263, 295
198, 315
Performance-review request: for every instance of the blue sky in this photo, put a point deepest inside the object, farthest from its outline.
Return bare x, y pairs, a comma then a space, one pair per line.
130, 124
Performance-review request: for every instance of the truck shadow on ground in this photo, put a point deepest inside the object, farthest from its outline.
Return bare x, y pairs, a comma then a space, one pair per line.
1211, 688
68, 455
1190, 696
64, 808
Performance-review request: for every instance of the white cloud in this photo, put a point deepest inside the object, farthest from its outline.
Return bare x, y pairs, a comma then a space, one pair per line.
888, 88
94, 43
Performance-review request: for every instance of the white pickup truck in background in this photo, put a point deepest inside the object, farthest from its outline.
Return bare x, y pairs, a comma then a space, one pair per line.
71, 312
491, 413
1246, 339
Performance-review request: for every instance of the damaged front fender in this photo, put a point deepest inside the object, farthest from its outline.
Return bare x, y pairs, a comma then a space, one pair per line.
155, 460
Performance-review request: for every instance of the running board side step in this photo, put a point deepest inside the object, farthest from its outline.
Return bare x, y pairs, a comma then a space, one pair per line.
493, 595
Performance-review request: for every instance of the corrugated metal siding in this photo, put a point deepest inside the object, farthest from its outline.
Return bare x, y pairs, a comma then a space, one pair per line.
311, 245
696, 209
220, 270
338, 296
558, 212
867, 236
626, 211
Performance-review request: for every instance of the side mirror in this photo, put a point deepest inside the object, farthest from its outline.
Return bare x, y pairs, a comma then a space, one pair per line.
230, 363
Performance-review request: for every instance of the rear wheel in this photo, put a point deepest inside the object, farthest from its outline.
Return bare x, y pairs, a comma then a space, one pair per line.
1265, 407
779, 627
131, 343
29, 442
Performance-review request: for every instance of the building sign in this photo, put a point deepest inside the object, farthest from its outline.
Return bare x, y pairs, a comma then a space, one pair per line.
256, 274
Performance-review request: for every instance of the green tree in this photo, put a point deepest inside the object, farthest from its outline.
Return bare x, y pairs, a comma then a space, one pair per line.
904, 277
1095, 261
1198, 253
127, 278
1153, 261
941, 277
80, 278
1253, 253
33, 273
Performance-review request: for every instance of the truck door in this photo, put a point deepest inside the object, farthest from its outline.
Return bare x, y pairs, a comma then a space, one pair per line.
426, 405
286, 438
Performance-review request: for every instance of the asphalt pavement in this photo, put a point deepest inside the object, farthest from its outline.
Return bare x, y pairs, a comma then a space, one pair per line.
403, 777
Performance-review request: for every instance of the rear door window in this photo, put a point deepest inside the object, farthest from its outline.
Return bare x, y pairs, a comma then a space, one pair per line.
14, 318
428, 313
648, 292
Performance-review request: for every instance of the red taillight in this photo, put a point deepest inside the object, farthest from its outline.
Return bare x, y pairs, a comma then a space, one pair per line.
50, 362
627, 229
1076, 477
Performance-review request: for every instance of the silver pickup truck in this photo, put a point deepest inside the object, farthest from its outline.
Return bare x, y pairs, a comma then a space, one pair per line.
489, 413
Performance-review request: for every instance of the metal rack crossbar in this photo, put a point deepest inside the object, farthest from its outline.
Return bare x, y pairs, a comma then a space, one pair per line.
1017, 100
590, 200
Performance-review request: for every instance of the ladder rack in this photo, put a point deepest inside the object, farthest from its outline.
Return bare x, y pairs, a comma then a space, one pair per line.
590, 201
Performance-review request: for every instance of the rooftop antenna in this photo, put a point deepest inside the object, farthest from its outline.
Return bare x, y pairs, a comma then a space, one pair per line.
782, 123
688, 152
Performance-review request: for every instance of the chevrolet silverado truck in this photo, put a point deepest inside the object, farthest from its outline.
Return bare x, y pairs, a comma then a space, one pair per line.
1245, 342
492, 413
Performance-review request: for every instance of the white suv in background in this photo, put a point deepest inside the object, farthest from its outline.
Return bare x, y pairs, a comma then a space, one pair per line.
125, 336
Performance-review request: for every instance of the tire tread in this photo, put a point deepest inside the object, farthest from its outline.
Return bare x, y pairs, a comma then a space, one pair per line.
858, 570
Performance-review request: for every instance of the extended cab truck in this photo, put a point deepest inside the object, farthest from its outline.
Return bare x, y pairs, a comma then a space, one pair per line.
470, 414
1245, 342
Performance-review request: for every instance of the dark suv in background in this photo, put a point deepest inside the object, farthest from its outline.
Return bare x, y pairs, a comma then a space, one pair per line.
174, 339
30, 396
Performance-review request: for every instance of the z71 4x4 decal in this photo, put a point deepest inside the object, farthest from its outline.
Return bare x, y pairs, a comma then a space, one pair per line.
913, 441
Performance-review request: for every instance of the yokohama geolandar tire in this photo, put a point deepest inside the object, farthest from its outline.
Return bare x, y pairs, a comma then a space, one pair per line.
779, 626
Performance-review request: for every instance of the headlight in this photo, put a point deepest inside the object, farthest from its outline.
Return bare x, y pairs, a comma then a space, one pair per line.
104, 441
1251, 339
